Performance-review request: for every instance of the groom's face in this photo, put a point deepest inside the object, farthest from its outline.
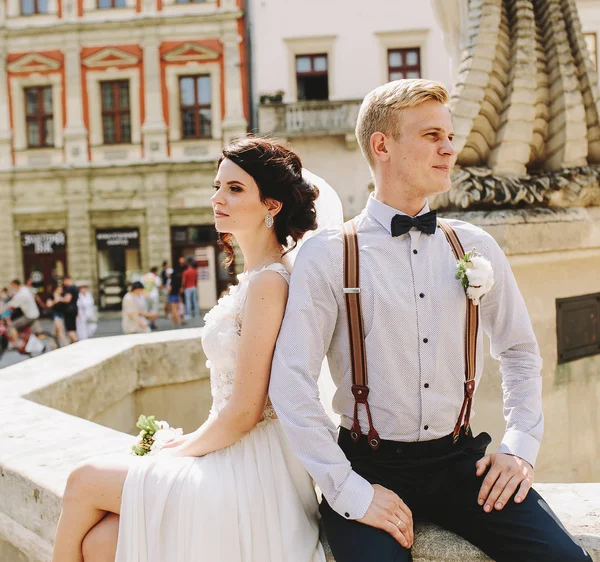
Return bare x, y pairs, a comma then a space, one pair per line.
422, 157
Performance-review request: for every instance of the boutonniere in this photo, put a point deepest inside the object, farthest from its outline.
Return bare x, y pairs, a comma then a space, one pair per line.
476, 275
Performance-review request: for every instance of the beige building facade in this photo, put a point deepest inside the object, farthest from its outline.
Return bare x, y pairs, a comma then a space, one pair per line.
109, 135
323, 58
310, 73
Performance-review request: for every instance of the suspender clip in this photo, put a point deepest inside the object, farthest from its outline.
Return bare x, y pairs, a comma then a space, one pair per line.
469, 388
351, 290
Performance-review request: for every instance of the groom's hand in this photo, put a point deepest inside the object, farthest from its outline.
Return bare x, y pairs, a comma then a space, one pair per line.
506, 474
388, 512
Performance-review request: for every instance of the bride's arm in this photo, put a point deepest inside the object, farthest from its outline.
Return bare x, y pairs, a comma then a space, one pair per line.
263, 314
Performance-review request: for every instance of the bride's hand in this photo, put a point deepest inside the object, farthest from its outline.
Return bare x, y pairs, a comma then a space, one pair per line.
176, 442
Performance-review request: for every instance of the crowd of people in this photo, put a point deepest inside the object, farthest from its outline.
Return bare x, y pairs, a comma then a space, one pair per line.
71, 308
178, 285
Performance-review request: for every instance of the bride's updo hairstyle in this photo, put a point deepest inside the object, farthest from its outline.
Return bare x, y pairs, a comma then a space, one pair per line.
277, 172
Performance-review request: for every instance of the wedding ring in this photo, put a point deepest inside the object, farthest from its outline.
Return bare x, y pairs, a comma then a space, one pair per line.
399, 522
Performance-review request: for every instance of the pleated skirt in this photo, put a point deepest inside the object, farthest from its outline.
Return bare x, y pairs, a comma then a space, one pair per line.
250, 502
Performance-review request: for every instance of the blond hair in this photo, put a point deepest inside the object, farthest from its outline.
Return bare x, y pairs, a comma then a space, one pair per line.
380, 110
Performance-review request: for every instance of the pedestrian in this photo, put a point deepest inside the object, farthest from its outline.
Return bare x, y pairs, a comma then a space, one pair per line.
152, 283
190, 288
70, 294
174, 296
87, 319
175, 291
4, 298
135, 319
163, 272
56, 306
164, 290
23, 299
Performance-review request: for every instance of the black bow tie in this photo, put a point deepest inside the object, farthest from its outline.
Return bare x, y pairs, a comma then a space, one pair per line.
426, 223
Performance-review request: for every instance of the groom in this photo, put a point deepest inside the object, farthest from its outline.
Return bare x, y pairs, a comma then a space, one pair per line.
415, 331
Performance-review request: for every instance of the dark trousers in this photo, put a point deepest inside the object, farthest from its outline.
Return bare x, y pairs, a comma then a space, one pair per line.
437, 481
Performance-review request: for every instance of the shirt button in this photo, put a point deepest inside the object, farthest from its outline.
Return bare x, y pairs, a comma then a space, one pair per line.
426, 385
347, 514
415, 252
425, 340
426, 427
422, 295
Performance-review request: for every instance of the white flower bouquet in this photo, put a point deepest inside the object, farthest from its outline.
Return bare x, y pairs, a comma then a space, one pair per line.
153, 435
476, 275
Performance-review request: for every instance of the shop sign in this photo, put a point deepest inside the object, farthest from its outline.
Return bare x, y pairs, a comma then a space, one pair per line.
117, 239
202, 257
43, 242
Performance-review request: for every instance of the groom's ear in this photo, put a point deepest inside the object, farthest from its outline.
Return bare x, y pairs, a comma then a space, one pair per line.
273, 206
378, 147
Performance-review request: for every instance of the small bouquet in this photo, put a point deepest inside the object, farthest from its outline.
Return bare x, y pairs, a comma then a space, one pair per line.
153, 435
476, 275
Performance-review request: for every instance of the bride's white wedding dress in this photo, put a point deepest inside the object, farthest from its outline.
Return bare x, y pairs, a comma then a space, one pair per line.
250, 502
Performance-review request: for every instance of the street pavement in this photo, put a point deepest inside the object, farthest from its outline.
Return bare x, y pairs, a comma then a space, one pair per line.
109, 324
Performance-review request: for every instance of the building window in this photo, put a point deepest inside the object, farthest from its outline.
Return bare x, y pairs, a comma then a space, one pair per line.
578, 327
591, 40
404, 63
312, 77
31, 7
116, 118
39, 117
195, 106
104, 4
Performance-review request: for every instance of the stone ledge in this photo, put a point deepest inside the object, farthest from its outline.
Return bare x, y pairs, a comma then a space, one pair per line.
577, 506
33, 476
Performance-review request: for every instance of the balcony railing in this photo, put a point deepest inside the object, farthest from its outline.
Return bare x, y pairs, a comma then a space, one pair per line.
309, 118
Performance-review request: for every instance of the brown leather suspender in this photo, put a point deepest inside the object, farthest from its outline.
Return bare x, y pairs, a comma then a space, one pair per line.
356, 335
472, 325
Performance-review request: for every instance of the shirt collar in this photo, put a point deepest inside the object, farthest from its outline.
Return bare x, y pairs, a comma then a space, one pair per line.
384, 214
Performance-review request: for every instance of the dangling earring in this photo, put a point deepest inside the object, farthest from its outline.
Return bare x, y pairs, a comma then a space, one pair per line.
269, 220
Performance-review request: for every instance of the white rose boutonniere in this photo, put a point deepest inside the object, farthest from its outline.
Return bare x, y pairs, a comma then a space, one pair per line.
153, 435
476, 275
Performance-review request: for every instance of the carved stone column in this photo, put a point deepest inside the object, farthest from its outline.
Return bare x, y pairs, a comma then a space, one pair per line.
8, 258
5, 132
235, 124
69, 10
76, 134
157, 220
79, 230
154, 130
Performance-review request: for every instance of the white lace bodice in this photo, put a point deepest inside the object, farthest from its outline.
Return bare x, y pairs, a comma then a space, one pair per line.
221, 337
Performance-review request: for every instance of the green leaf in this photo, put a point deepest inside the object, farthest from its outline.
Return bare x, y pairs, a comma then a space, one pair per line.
147, 424
138, 451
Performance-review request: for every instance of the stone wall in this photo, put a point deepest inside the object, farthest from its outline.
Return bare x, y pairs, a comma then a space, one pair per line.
45, 405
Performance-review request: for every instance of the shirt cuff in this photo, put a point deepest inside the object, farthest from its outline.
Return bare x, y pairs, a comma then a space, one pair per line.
355, 498
520, 445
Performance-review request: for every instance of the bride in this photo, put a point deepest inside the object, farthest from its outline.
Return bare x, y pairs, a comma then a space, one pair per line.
232, 490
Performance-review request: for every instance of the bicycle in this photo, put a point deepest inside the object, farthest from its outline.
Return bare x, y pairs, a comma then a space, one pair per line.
47, 340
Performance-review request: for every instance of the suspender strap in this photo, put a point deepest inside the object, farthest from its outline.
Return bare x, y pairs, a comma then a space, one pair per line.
472, 326
356, 333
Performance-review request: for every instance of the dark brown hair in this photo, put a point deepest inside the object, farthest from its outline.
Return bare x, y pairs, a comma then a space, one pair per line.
277, 172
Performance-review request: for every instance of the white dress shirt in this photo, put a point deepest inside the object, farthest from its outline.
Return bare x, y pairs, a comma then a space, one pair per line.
25, 300
414, 316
